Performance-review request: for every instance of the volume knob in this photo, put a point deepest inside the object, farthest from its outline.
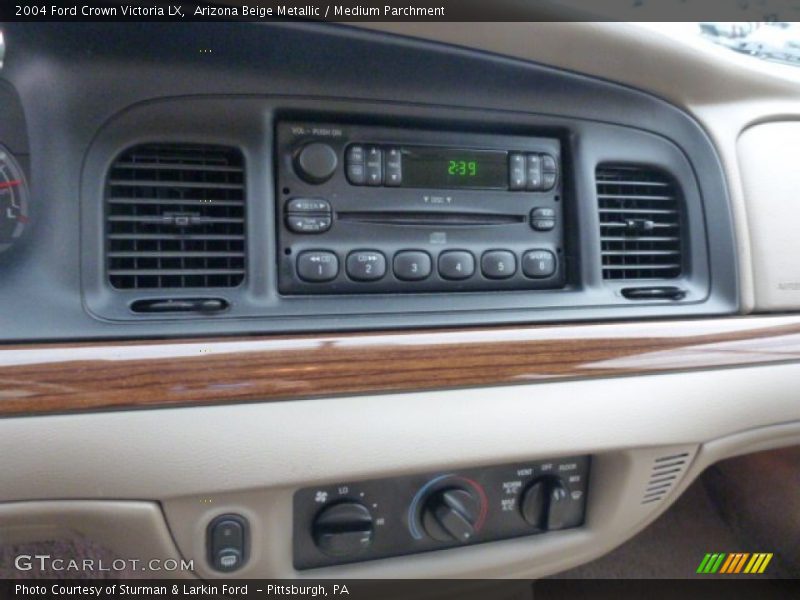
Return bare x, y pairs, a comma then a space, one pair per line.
451, 514
316, 162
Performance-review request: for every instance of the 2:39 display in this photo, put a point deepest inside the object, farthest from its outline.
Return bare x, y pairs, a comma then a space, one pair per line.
463, 168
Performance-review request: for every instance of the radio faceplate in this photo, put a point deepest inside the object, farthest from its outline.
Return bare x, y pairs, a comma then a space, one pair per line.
352, 217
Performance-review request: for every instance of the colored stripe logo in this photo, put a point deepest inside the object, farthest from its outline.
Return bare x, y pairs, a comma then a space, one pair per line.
734, 563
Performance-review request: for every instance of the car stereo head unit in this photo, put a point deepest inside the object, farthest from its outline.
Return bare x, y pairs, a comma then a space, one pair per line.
373, 209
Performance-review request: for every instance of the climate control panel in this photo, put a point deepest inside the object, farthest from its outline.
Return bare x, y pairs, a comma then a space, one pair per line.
356, 521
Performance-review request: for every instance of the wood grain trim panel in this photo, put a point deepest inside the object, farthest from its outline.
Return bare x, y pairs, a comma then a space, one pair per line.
57, 378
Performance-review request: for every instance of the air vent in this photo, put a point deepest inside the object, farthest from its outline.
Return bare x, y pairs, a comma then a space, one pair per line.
175, 217
640, 223
667, 471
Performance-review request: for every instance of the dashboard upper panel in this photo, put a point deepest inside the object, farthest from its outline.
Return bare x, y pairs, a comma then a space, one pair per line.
109, 89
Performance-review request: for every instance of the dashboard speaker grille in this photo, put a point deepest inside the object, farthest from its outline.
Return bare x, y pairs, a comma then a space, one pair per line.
667, 471
175, 217
640, 223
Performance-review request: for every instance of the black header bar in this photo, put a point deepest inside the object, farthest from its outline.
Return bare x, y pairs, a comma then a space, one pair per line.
347, 11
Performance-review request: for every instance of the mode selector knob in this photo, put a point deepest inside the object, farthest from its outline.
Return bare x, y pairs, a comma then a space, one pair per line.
316, 162
343, 529
451, 514
544, 503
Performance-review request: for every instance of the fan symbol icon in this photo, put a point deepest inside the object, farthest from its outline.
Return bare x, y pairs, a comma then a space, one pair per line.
321, 497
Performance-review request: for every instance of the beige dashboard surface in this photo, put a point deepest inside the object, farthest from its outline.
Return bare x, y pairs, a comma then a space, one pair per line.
768, 154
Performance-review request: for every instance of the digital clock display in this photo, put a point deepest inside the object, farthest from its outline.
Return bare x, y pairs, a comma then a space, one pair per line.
463, 168
450, 168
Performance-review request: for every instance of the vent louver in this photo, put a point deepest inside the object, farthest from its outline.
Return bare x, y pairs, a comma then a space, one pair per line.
667, 471
640, 223
175, 217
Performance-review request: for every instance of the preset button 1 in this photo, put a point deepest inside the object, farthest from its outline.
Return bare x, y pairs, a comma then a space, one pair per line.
317, 266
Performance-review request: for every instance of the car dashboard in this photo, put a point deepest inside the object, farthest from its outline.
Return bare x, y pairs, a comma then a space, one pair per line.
303, 300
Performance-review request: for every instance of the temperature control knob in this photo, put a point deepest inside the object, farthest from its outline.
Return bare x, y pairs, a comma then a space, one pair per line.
451, 514
316, 162
343, 529
545, 504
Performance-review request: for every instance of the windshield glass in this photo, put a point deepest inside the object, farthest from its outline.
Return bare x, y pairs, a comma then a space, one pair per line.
777, 41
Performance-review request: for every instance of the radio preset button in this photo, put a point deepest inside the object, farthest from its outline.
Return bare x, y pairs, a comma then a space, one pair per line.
456, 264
538, 264
366, 265
412, 265
394, 167
374, 166
516, 171
317, 266
498, 264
